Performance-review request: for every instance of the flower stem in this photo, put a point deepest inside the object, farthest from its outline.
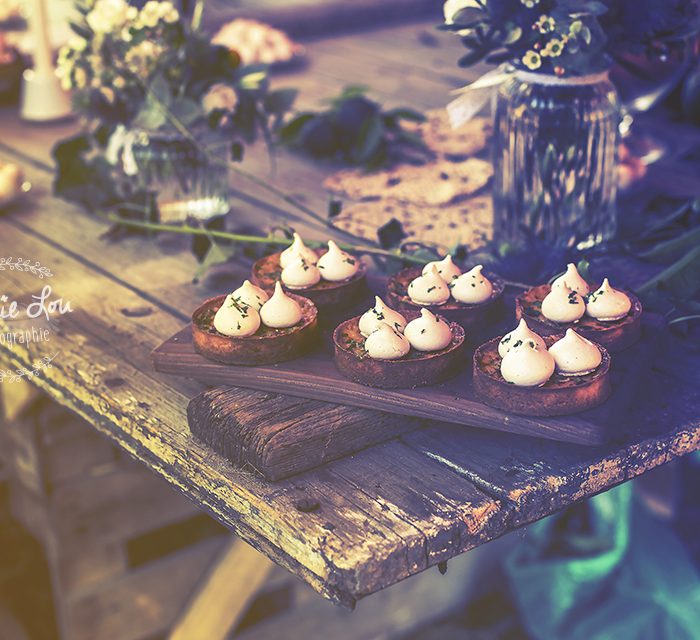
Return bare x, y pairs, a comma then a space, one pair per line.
185, 132
237, 237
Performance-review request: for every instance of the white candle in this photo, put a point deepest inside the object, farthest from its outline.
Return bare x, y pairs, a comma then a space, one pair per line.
43, 99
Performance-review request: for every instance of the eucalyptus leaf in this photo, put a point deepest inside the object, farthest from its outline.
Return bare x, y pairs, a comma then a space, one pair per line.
681, 279
674, 248
371, 134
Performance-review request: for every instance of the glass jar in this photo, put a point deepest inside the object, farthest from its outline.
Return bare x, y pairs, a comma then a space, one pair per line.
188, 181
555, 162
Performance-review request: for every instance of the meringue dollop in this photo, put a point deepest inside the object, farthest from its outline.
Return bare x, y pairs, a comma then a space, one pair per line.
472, 287
236, 319
336, 265
521, 333
563, 304
385, 343
280, 311
429, 288
447, 269
378, 314
607, 304
572, 279
299, 274
527, 365
250, 295
297, 248
428, 333
574, 355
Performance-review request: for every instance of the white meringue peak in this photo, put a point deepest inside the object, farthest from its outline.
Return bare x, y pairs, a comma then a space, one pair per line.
378, 314
562, 304
299, 274
385, 343
527, 365
607, 304
574, 355
280, 311
250, 295
447, 269
472, 287
298, 248
236, 319
429, 289
517, 336
572, 279
428, 333
336, 265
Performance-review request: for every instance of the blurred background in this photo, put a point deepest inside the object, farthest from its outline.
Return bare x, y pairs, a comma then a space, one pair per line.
62, 485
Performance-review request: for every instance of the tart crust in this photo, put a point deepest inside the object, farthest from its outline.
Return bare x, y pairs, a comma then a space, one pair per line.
416, 369
324, 294
466, 315
615, 336
266, 346
560, 395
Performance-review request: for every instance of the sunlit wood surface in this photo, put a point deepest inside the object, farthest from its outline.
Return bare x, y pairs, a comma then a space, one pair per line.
382, 515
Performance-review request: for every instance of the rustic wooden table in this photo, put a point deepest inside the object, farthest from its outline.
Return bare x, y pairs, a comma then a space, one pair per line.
358, 524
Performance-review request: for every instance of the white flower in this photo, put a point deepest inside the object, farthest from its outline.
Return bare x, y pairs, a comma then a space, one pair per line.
220, 96
77, 43
452, 7
529, 4
108, 16
150, 14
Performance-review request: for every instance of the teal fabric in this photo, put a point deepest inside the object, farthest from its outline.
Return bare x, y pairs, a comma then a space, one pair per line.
630, 579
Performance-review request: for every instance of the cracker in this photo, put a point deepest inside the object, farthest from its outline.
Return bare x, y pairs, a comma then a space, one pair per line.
431, 184
469, 222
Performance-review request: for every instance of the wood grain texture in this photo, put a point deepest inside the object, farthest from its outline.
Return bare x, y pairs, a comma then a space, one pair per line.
280, 436
315, 376
342, 530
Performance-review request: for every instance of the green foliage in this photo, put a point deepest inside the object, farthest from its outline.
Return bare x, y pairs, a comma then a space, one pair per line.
585, 33
354, 130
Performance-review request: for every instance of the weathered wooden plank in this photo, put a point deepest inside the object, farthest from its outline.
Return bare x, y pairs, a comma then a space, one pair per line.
224, 593
144, 602
539, 477
278, 436
350, 550
315, 376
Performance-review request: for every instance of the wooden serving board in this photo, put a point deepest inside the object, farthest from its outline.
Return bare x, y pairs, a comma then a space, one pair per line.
315, 377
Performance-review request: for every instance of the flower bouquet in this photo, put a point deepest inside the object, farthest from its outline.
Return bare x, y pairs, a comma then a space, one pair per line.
164, 108
557, 112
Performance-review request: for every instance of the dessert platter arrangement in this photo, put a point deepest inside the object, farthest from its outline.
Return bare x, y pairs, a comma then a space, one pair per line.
440, 342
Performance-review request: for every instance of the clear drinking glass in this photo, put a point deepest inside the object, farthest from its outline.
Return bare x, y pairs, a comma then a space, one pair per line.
187, 180
555, 146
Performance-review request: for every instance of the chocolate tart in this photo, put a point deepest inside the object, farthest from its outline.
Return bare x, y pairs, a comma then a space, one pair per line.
560, 395
265, 346
615, 336
467, 315
324, 294
415, 369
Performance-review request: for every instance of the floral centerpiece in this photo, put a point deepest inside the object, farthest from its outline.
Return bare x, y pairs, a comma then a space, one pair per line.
556, 111
162, 105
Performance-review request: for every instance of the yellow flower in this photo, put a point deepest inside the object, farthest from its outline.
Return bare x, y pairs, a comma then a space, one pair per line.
545, 24
554, 48
530, 4
532, 60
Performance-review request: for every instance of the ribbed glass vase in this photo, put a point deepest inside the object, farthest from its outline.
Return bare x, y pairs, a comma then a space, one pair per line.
186, 180
555, 162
